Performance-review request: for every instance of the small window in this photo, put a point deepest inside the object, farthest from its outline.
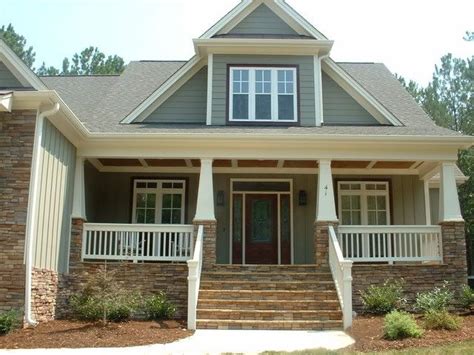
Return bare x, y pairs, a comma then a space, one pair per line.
263, 94
158, 202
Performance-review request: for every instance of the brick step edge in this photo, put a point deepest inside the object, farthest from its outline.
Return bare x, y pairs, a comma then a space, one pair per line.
269, 325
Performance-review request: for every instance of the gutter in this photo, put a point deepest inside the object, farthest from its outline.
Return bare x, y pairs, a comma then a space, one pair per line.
33, 209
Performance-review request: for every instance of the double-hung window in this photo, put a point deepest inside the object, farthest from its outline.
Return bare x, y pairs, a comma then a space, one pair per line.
263, 94
158, 201
364, 203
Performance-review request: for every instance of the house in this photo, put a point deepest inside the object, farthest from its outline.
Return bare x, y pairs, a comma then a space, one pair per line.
261, 184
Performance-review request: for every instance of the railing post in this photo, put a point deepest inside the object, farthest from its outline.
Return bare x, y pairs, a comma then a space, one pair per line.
192, 293
347, 293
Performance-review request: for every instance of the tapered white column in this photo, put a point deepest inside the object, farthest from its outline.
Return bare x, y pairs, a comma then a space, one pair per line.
326, 205
205, 199
79, 202
449, 207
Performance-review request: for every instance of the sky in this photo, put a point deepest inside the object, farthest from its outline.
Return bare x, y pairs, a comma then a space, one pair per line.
409, 36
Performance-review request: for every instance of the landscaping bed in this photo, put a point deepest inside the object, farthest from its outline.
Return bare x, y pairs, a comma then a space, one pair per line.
70, 334
368, 334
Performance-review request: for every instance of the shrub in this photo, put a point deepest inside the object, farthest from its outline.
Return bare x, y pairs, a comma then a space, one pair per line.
9, 321
467, 297
383, 299
158, 307
436, 300
400, 325
442, 320
103, 298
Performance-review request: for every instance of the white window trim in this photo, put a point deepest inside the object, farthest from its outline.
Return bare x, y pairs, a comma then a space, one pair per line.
159, 191
252, 94
364, 193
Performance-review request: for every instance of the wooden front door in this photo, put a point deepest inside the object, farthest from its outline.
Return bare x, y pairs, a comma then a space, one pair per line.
261, 229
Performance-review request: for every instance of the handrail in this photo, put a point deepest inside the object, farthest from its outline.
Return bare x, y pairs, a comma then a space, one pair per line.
342, 274
194, 278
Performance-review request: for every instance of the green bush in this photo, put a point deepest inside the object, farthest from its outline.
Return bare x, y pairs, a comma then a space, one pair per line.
383, 299
436, 300
158, 307
467, 297
400, 325
442, 320
9, 321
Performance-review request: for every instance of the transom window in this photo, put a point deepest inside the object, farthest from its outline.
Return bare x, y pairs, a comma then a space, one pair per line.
364, 203
158, 201
263, 94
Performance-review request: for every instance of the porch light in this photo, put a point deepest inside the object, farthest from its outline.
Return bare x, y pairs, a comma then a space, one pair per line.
302, 198
220, 198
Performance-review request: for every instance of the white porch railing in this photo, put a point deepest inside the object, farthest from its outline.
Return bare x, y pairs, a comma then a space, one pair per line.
137, 242
194, 279
342, 274
391, 243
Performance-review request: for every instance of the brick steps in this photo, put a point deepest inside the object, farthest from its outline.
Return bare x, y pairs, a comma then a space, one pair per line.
268, 297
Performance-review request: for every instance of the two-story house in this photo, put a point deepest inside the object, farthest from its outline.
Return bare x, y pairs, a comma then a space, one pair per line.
261, 184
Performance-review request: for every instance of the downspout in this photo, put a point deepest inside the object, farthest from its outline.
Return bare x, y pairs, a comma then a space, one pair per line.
321, 87
31, 222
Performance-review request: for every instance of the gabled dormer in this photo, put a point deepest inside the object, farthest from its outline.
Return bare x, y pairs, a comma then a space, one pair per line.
262, 64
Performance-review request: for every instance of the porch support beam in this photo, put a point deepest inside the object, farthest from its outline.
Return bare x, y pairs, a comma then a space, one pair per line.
449, 207
79, 202
205, 199
326, 205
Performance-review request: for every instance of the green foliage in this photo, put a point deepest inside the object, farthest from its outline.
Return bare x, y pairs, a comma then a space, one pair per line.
9, 321
400, 325
18, 44
383, 299
466, 297
441, 320
103, 298
158, 307
437, 299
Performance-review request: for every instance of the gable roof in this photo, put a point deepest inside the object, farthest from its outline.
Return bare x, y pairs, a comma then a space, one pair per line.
19, 69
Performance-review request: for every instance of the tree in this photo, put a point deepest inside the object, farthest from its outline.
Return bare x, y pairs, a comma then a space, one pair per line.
469, 36
18, 44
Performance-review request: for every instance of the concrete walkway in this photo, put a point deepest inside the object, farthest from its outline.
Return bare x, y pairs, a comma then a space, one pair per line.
221, 341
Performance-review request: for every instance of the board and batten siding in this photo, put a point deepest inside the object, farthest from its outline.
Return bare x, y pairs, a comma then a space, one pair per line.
408, 200
58, 159
187, 105
263, 21
340, 108
306, 93
7, 79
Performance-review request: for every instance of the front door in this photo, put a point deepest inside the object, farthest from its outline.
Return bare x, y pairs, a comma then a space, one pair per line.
261, 229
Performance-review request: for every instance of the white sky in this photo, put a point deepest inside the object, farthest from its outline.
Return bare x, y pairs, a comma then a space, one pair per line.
409, 36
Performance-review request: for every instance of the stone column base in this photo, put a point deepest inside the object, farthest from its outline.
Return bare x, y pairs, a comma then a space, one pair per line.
209, 242
44, 292
321, 242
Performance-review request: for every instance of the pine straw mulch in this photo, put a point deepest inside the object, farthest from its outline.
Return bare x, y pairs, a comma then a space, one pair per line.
70, 334
368, 334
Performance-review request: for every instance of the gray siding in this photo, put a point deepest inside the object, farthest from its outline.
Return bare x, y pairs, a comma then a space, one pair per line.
434, 206
7, 79
263, 21
51, 246
306, 83
340, 108
186, 105
408, 200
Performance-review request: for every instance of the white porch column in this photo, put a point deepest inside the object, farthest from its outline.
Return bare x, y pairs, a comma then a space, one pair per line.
205, 199
79, 202
326, 205
449, 208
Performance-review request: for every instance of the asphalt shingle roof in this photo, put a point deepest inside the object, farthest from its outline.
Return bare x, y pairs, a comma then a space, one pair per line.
102, 102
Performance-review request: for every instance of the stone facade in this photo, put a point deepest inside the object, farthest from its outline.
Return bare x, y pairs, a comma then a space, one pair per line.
16, 146
321, 242
209, 242
419, 278
44, 290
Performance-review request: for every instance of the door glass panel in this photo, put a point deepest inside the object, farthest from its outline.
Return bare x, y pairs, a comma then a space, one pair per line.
285, 229
356, 218
261, 221
141, 200
237, 219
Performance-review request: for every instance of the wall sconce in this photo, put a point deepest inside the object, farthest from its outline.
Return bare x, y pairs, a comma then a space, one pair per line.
302, 198
220, 198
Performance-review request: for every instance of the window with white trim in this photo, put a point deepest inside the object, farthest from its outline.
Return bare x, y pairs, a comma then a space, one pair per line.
158, 201
364, 203
263, 94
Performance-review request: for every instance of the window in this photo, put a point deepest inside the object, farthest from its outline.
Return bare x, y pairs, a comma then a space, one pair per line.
158, 201
364, 203
263, 94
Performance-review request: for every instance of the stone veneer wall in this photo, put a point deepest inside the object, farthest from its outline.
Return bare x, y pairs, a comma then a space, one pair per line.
44, 290
16, 146
419, 278
209, 242
149, 278
321, 243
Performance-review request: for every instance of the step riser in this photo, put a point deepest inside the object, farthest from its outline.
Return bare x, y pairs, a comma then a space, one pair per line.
262, 277
269, 306
272, 295
266, 286
263, 316
278, 269
269, 326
